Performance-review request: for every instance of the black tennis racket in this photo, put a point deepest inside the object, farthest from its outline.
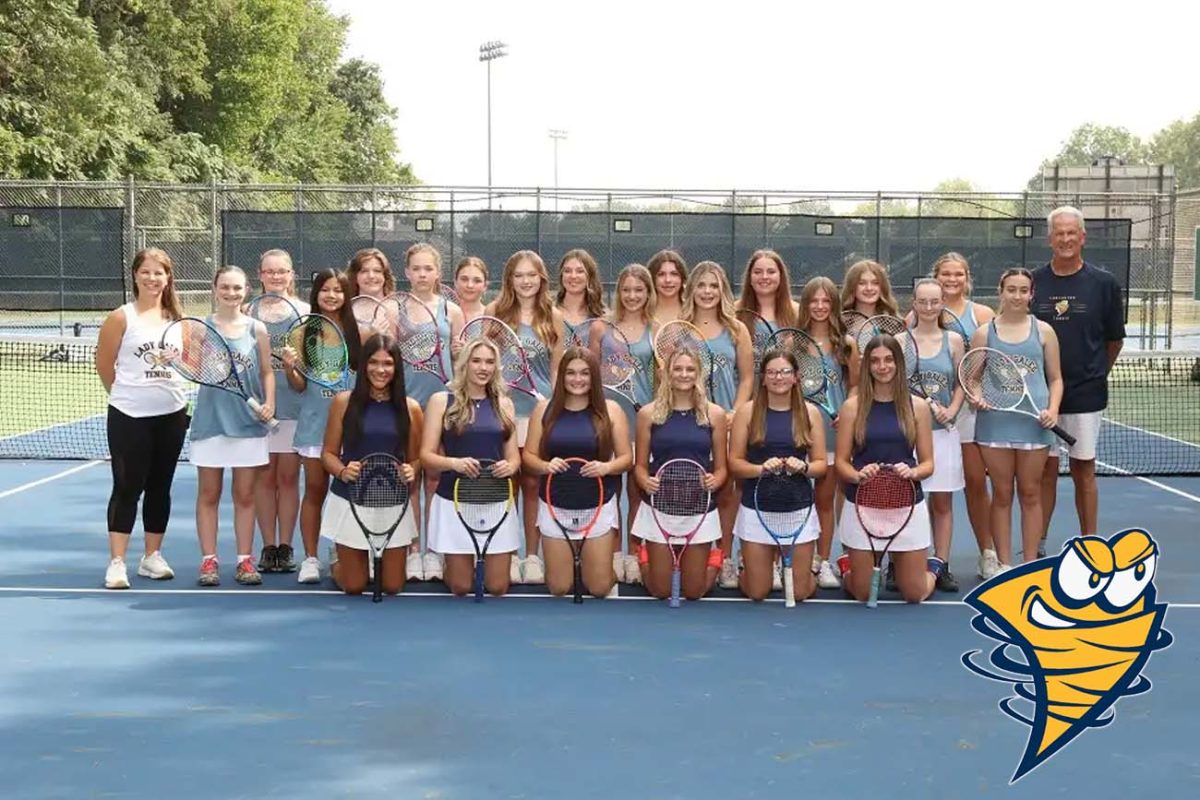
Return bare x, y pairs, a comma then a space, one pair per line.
994, 381
884, 504
853, 321
482, 504
783, 502
679, 507
574, 501
198, 352
877, 325
277, 313
378, 501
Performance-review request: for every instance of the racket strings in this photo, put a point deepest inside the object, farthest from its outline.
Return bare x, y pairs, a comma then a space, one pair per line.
783, 503
993, 378
482, 502
380, 493
884, 504
681, 491
203, 357
876, 326
321, 348
415, 329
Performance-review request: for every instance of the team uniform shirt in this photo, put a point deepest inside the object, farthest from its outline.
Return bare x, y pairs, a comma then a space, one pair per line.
1087, 312
422, 384
777, 443
145, 385
287, 399
965, 422
680, 436
1006, 429
643, 376
314, 410
538, 355
221, 413
938, 377
835, 392
573, 435
724, 378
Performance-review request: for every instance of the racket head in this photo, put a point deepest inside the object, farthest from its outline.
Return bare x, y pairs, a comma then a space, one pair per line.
809, 359
991, 379
514, 367
573, 499
414, 327
884, 504
876, 325
679, 335
581, 335
853, 321
760, 329
450, 293
369, 312
321, 349
379, 498
912, 364
276, 313
199, 353
783, 503
681, 502
617, 362
953, 324
483, 502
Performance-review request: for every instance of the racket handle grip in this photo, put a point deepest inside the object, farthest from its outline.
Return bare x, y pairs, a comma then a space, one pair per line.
873, 598
256, 407
789, 586
675, 581
479, 581
1066, 437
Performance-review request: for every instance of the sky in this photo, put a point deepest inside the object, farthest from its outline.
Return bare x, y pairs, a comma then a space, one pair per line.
770, 95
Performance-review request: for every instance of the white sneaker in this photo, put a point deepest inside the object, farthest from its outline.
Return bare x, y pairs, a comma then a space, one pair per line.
514, 569
155, 567
826, 577
431, 565
988, 563
729, 575
533, 569
414, 567
1002, 568
633, 570
777, 577
310, 570
619, 567
115, 577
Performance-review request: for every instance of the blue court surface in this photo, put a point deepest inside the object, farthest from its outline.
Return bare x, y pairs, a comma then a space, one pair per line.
169, 690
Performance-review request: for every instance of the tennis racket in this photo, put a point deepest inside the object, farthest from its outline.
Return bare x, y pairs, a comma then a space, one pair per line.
916, 378
447, 291
679, 508
416, 331
814, 383
615, 356
877, 325
482, 504
678, 335
277, 313
370, 313
783, 502
884, 504
952, 323
514, 362
378, 501
853, 322
995, 382
581, 335
574, 501
198, 352
760, 329
321, 348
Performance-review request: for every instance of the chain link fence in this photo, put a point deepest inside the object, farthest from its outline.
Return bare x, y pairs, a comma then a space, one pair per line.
65, 247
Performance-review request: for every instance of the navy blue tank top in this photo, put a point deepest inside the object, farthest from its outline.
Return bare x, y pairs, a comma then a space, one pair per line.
574, 436
885, 444
379, 435
777, 443
482, 439
680, 437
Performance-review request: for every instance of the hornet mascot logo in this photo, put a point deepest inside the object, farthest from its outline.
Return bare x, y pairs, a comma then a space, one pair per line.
1086, 622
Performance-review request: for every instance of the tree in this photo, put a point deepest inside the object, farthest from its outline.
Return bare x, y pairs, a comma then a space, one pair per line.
1090, 142
1179, 144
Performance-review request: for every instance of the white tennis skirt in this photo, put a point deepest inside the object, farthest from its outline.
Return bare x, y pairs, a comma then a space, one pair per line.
447, 534
964, 423
916, 535
604, 523
313, 451
280, 440
645, 527
749, 528
338, 525
227, 451
947, 463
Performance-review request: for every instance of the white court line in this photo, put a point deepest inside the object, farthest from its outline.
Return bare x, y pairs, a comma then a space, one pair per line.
48, 479
1150, 481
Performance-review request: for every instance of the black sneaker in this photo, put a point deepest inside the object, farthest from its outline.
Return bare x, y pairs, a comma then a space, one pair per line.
283, 559
946, 581
267, 561
891, 577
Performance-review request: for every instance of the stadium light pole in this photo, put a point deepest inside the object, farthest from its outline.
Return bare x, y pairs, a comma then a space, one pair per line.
557, 134
489, 52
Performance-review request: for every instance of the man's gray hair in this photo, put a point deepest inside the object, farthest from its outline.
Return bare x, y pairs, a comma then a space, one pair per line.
1070, 211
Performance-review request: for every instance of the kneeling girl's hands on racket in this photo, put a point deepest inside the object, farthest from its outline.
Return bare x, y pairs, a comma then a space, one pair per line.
353, 470
472, 469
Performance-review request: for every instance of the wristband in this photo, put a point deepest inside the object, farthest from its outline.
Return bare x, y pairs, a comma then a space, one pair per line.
715, 557
643, 554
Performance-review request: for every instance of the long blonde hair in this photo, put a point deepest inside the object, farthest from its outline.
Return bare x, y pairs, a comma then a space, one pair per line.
837, 331
725, 308
593, 293
663, 393
801, 435
634, 272
169, 299
900, 394
785, 309
460, 412
886, 303
508, 309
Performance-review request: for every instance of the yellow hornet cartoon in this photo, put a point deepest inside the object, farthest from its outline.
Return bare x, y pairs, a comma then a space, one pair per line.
1086, 622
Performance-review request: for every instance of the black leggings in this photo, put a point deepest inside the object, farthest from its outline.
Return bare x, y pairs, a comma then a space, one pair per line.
145, 452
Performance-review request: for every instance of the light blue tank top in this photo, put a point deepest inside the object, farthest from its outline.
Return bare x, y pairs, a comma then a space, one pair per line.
643, 378
937, 376
314, 409
1002, 427
969, 322
420, 384
835, 391
539, 369
724, 380
221, 413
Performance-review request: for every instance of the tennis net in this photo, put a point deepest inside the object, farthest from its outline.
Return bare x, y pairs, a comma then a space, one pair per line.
52, 406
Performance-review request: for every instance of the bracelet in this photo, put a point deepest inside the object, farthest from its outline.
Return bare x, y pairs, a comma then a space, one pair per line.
340, 474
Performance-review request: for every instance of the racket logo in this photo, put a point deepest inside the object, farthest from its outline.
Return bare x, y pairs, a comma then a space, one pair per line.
1086, 622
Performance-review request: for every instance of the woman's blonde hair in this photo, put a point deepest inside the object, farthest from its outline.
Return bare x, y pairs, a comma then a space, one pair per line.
725, 309
169, 298
801, 434
837, 330
663, 393
508, 309
953, 258
593, 293
460, 411
635, 272
886, 303
900, 394
785, 308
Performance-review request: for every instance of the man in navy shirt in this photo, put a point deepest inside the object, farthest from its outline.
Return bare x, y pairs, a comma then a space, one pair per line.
1083, 304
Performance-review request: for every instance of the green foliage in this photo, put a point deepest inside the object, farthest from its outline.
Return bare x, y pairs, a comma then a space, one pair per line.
189, 90
1179, 144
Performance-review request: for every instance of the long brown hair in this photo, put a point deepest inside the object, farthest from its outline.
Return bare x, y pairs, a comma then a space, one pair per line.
593, 294
596, 404
345, 315
359, 261
900, 395
837, 331
785, 308
634, 272
508, 309
801, 435
669, 257
171, 306
886, 304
